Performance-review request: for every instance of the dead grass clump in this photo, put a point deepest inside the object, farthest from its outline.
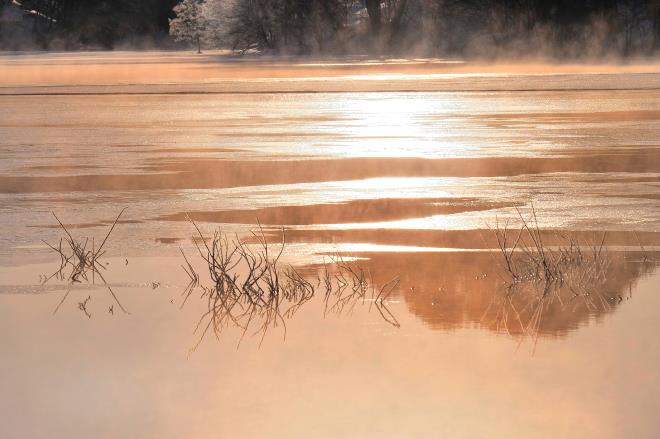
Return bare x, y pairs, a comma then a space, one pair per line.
540, 275
348, 285
80, 261
251, 289
526, 258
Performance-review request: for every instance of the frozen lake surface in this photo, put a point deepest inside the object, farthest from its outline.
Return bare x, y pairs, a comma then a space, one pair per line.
405, 168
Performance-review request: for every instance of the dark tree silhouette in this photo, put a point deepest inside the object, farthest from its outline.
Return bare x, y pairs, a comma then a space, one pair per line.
576, 28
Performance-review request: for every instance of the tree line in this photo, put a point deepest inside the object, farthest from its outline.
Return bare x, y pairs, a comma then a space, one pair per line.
78, 24
410, 27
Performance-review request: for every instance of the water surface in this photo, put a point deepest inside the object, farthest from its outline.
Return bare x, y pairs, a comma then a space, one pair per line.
403, 168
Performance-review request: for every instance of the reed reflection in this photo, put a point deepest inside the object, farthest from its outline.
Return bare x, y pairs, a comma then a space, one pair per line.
252, 290
454, 290
80, 262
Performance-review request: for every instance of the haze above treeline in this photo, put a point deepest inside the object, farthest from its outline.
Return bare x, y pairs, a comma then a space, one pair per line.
479, 28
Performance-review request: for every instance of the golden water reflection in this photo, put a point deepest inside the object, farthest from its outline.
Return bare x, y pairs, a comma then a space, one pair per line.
428, 382
401, 166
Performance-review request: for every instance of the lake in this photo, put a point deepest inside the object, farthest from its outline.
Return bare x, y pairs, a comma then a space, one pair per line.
411, 248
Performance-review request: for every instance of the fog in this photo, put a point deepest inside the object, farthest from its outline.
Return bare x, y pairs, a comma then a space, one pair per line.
221, 72
420, 232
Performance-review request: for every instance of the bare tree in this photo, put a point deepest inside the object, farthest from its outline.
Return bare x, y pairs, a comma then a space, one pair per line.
189, 24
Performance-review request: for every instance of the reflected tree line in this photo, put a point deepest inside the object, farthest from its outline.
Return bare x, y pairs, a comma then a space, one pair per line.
580, 28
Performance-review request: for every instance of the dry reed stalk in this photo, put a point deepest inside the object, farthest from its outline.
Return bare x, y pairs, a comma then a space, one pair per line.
542, 274
253, 291
79, 259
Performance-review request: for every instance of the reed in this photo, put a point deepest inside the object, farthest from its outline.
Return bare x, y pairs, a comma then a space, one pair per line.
527, 258
80, 261
252, 290
540, 275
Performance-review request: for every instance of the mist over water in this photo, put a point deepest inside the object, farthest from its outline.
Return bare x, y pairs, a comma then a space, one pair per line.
406, 169
482, 29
